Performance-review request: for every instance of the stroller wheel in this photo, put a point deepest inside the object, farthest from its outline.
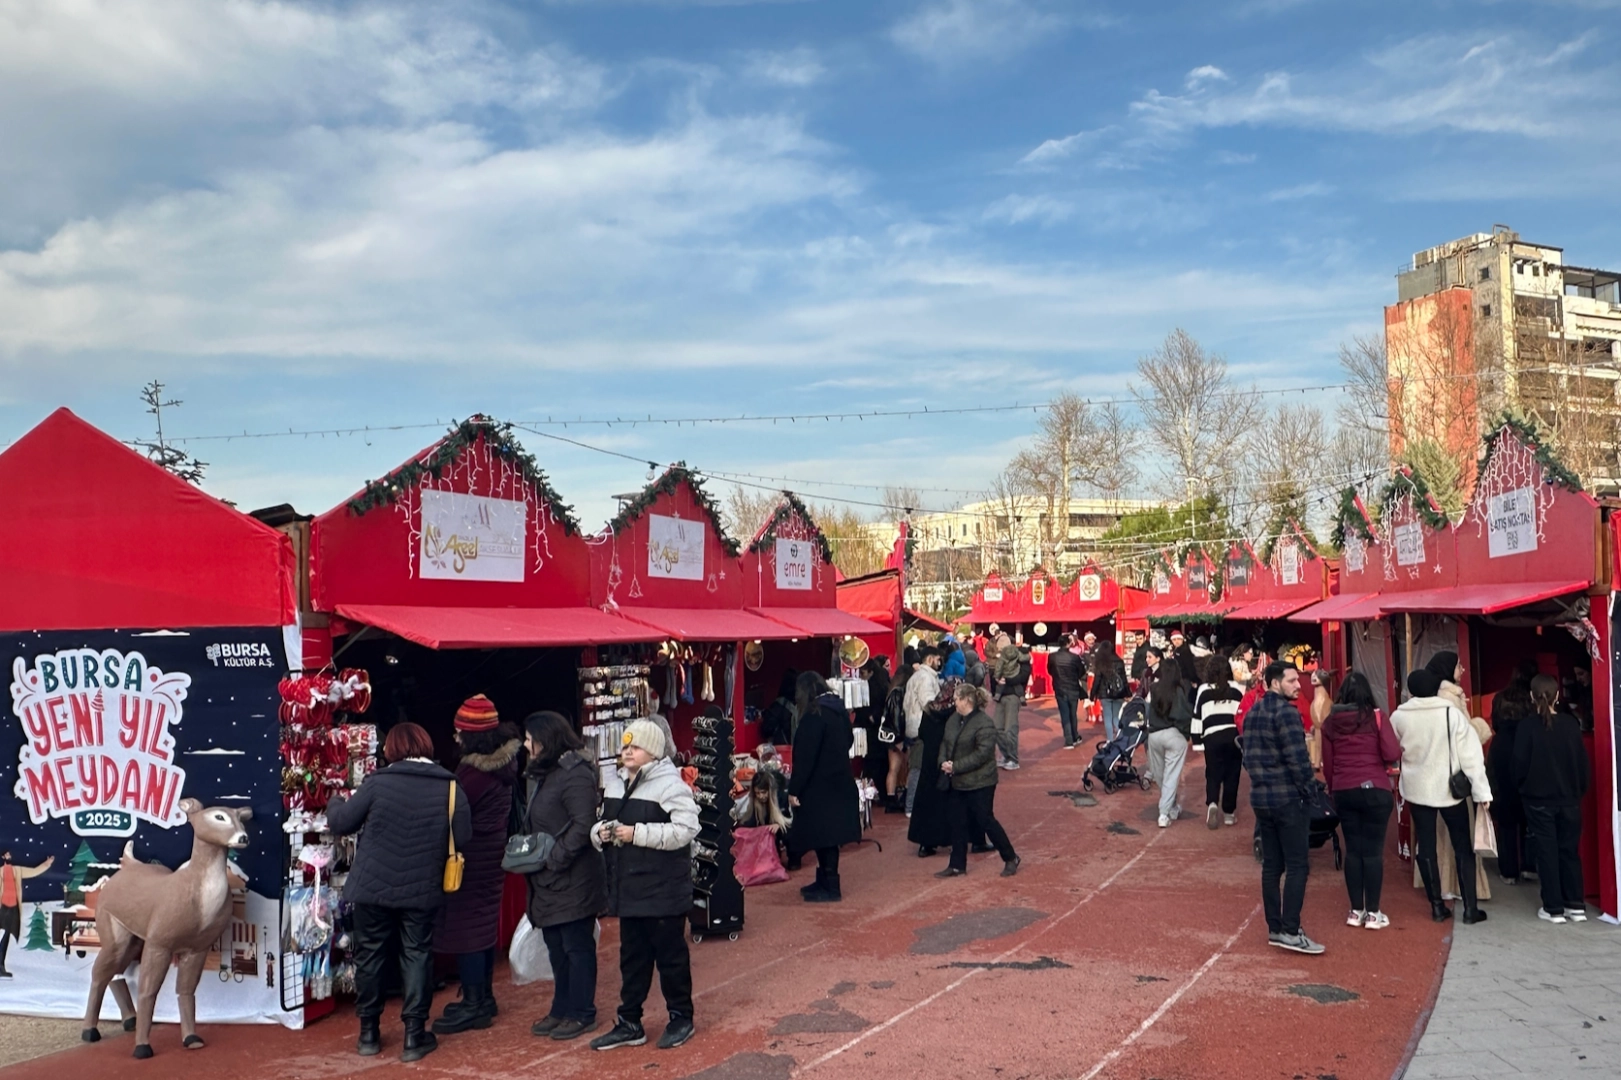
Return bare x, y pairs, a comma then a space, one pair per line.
1145, 783
1108, 788
1086, 783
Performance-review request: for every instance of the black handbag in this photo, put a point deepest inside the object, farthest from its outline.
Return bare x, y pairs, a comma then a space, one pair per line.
1458, 783
527, 852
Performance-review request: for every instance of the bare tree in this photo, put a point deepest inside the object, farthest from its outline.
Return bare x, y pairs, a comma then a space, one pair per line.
1366, 404
746, 509
1290, 449
858, 546
1078, 446
1120, 442
160, 451
1005, 507
902, 499
1192, 412
1362, 453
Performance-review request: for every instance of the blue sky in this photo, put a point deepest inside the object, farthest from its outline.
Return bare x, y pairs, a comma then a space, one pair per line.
310, 215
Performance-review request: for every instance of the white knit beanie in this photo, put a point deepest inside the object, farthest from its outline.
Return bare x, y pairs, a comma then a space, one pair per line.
645, 734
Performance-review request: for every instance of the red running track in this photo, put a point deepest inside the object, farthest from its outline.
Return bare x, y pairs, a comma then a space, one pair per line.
1112, 954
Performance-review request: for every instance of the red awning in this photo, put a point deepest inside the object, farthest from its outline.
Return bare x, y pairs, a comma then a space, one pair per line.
916, 620
709, 624
1350, 607
1270, 609
1161, 607
1083, 613
493, 628
1478, 599
820, 622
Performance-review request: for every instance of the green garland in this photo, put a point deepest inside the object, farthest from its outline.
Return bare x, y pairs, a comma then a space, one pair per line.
1405, 481
789, 506
1349, 519
1202, 619
447, 451
667, 485
1529, 432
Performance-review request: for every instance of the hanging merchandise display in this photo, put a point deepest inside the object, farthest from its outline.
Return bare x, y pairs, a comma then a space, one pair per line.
717, 906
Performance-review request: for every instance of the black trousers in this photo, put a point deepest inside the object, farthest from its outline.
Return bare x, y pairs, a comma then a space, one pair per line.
1555, 832
1067, 707
643, 944
1514, 850
401, 935
1364, 817
1456, 819
476, 972
973, 812
572, 947
1223, 764
1285, 834
827, 859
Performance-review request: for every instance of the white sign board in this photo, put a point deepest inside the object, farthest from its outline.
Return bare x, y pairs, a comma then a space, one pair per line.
1409, 540
1090, 587
1038, 591
675, 548
794, 558
1162, 583
1511, 523
1356, 552
1289, 563
993, 594
471, 538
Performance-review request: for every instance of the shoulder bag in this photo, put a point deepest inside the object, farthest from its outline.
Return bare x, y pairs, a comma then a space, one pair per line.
455, 862
1458, 783
526, 852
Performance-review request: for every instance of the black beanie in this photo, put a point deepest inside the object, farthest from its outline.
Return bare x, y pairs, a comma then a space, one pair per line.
1423, 683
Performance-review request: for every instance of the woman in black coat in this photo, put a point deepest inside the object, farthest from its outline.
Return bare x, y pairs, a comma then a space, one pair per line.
404, 815
821, 789
930, 827
567, 895
470, 922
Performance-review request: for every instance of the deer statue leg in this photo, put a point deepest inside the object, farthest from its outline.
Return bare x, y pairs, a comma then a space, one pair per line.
117, 952
121, 994
191, 971
154, 969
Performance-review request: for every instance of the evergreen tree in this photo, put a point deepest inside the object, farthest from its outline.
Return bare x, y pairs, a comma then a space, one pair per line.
74, 894
39, 935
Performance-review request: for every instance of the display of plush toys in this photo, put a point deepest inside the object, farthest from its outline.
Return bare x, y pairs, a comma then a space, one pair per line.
318, 758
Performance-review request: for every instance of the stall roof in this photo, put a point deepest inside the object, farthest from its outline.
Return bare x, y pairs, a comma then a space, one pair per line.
874, 596
1486, 599
1271, 609
918, 620
1347, 607
709, 624
493, 627
98, 537
819, 622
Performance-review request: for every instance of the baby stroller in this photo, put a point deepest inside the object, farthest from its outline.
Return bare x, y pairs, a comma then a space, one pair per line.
1325, 823
1113, 763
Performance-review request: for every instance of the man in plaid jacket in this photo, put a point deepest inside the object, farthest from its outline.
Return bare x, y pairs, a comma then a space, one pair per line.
1281, 776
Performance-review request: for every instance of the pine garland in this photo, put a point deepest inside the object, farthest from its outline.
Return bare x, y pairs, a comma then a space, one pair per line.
1201, 619
789, 506
667, 485
1349, 519
444, 455
1529, 432
1407, 481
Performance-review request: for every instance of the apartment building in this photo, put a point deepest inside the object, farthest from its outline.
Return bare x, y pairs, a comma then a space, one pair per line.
1491, 320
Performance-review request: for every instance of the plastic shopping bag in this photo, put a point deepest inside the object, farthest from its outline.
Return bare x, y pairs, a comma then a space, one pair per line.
528, 956
754, 856
1485, 834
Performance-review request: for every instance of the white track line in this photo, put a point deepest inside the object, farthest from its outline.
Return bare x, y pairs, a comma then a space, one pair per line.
971, 972
1142, 1029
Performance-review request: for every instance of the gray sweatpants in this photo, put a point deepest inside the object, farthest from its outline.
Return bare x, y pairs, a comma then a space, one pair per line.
1167, 753
1007, 725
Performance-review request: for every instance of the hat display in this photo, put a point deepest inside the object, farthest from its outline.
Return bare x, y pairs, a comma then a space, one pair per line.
477, 714
646, 735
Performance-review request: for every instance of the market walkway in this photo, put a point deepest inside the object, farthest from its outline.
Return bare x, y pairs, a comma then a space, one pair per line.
1528, 999
1120, 950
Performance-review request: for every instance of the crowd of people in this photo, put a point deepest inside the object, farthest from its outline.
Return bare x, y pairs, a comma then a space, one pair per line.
942, 730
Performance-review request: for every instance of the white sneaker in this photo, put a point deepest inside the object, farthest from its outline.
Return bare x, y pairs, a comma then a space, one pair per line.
1230, 819
1376, 920
1211, 814
1576, 914
1542, 913
1011, 766
1164, 822
1356, 917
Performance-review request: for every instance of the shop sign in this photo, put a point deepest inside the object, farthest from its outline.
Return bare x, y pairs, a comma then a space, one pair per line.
1038, 590
993, 594
794, 558
96, 742
1089, 587
471, 537
1238, 573
1356, 552
675, 548
1198, 578
1289, 563
1162, 582
1409, 541
1511, 523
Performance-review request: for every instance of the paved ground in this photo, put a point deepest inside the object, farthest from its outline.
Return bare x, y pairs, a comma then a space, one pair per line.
1528, 999
1120, 951
25, 1037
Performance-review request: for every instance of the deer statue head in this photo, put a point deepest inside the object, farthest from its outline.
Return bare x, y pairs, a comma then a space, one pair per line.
220, 826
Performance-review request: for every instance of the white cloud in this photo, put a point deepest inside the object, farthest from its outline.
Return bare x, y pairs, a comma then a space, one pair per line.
1055, 150
1205, 73
796, 67
953, 31
1018, 209
1300, 191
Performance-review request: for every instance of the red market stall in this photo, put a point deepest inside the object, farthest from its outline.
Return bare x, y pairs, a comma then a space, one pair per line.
1289, 575
879, 598
788, 577
1354, 633
138, 606
1182, 597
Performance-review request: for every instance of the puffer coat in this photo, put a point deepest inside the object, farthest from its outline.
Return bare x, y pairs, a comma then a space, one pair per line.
828, 814
969, 744
572, 885
402, 814
471, 919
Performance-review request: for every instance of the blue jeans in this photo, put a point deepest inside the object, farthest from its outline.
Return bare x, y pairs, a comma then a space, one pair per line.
1066, 719
1111, 718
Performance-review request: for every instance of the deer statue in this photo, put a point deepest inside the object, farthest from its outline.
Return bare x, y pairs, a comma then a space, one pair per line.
158, 916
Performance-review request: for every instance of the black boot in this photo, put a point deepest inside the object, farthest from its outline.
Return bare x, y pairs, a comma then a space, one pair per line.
1432, 889
895, 804
830, 893
418, 1043
815, 887
476, 1013
371, 1038
1471, 894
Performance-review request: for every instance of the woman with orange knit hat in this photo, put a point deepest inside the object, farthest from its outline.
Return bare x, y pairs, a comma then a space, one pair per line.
469, 923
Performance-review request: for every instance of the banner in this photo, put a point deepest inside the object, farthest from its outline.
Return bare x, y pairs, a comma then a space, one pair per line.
794, 560
108, 731
471, 538
1511, 523
1409, 541
675, 548
993, 594
1289, 563
1238, 573
1089, 587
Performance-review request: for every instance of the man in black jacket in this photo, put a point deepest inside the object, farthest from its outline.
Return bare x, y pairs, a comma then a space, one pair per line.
1068, 673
